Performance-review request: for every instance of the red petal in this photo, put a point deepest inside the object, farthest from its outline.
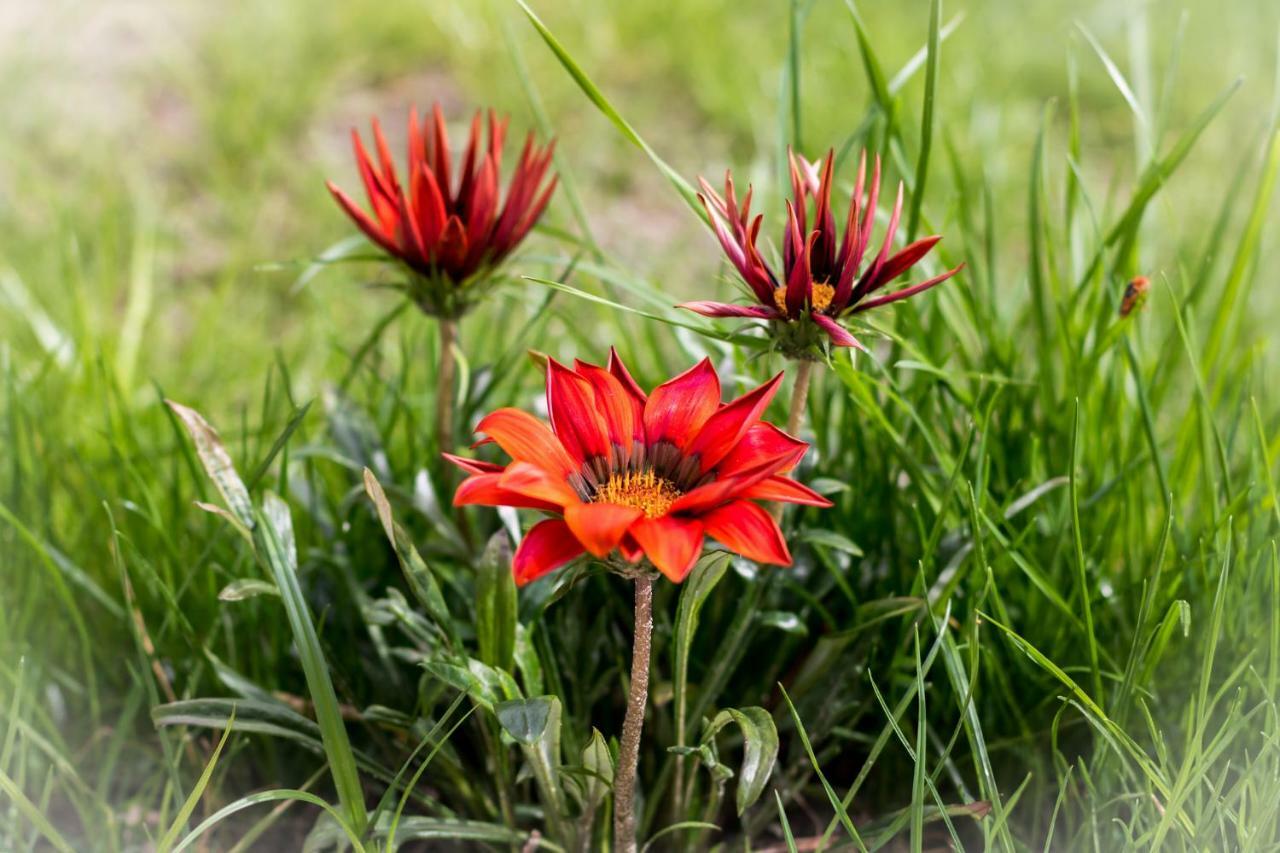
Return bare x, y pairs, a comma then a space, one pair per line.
473, 466
906, 291
901, 262
722, 309
726, 488
622, 413
440, 148
679, 407
672, 544
744, 527
575, 415
534, 482
600, 527
486, 490
618, 369
730, 423
786, 490
546, 547
838, 334
371, 229
527, 439
763, 443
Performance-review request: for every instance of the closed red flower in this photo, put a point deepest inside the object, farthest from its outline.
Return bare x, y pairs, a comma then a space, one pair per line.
451, 223
822, 278
640, 476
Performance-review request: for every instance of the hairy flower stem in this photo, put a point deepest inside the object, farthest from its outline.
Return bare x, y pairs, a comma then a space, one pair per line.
624, 781
444, 384
795, 414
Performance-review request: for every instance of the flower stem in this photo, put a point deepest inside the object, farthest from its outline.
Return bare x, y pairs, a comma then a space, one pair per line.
624, 781
444, 384
799, 396
795, 414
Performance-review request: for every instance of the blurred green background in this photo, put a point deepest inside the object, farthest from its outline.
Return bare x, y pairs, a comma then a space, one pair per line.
155, 155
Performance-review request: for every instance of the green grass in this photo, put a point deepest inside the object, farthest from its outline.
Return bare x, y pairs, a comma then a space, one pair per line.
1041, 614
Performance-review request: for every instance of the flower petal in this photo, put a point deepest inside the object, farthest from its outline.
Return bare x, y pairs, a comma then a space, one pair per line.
763, 443
724, 309
678, 408
546, 547
600, 527
906, 291
618, 369
532, 481
730, 423
671, 543
575, 415
473, 466
487, 490
747, 529
839, 334
622, 412
786, 490
527, 439
727, 488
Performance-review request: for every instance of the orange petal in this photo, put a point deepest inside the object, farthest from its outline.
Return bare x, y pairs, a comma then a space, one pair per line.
527, 439
600, 527
671, 543
486, 490
534, 482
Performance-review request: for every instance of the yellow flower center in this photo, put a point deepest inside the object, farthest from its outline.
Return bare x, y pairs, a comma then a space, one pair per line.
645, 491
819, 299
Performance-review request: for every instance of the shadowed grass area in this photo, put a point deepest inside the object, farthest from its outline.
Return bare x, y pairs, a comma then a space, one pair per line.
1041, 614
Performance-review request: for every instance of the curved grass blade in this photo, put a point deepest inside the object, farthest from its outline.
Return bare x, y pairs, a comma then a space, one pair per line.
687, 192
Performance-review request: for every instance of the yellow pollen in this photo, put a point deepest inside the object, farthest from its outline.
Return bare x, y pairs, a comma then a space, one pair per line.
647, 492
819, 298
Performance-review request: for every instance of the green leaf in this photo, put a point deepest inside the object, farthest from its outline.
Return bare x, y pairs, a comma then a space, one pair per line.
598, 760
759, 749
239, 590
693, 593
217, 462
484, 684
274, 545
926, 118
496, 604
687, 192
535, 725
180, 820
830, 539
422, 582
270, 537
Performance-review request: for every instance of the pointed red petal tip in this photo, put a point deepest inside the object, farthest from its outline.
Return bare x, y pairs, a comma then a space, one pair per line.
724, 309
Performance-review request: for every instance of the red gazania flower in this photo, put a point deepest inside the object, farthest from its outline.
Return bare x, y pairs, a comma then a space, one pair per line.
819, 281
450, 223
645, 476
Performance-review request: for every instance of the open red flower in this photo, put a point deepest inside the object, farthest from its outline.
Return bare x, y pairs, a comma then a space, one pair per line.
450, 223
822, 277
640, 475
